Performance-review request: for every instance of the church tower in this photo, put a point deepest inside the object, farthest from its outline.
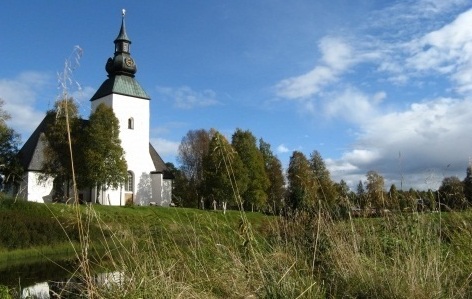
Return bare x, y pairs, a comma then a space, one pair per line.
148, 180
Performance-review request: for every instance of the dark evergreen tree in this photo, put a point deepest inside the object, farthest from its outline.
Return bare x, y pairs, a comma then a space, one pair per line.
393, 197
468, 185
361, 196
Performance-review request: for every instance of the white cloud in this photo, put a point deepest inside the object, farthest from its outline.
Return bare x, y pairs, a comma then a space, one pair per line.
20, 96
186, 98
351, 104
282, 149
165, 147
415, 143
336, 57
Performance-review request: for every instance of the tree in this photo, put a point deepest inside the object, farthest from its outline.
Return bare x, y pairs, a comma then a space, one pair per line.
10, 168
61, 122
451, 193
301, 193
393, 196
345, 198
180, 184
193, 149
468, 185
225, 177
103, 160
361, 196
255, 195
273, 168
326, 192
375, 189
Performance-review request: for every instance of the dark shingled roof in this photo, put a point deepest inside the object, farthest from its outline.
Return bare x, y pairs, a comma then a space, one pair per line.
31, 153
121, 84
159, 163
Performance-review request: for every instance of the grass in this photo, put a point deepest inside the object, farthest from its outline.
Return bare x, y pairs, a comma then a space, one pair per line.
187, 253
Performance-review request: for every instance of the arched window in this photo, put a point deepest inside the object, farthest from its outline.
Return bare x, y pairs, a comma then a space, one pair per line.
130, 123
129, 182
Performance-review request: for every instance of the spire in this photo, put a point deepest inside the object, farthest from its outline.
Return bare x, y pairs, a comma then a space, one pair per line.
121, 69
121, 63
122, 37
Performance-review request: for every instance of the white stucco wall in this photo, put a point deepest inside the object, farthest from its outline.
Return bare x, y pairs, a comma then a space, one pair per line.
34, 190
135, 143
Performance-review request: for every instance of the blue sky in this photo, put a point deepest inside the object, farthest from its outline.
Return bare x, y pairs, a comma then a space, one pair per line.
371, 85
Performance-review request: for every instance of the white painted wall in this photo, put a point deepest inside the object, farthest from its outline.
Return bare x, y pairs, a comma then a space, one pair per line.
135, 143
34, 190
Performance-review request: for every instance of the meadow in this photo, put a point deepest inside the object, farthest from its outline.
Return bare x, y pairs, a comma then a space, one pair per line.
189, 253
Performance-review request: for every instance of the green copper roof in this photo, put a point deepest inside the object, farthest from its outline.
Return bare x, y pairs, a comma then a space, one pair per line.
121, 84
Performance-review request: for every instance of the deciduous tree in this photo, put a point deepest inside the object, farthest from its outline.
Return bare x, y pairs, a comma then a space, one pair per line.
451, 193
273, 168
10, 168
103, 160
225, 177
245, 145
301, 193
375, 189
193, 149
325, 192
61, 122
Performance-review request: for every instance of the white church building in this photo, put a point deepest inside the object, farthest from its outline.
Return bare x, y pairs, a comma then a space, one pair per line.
149, 181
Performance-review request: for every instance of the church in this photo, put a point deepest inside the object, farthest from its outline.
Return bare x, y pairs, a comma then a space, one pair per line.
148, 181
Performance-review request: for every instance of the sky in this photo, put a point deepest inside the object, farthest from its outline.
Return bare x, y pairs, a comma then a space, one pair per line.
369, 84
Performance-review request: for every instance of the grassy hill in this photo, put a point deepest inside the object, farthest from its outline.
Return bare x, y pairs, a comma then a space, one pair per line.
187, 253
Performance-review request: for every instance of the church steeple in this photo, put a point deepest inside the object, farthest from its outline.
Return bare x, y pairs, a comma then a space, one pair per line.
121, 63
121, 69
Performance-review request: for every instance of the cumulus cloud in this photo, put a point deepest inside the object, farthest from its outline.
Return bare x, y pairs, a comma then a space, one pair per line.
186, 98
352, 104
428, 137
336, 57
20, 95
447, 50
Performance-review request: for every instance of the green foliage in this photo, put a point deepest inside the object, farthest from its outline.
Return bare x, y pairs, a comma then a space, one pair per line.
375, 189
5, 293
193, 149
61, 122
245, 145
224, 173
302, 187
103, 163
326, 193
10, 166
468, 185
451, 193
273, 168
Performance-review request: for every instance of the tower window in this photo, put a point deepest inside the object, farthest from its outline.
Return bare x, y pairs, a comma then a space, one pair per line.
129, 182
130, 123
